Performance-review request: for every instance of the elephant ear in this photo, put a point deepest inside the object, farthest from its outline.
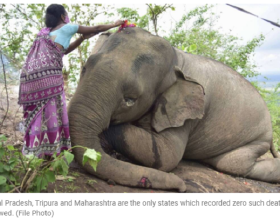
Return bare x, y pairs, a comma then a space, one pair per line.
100, 41
183, 100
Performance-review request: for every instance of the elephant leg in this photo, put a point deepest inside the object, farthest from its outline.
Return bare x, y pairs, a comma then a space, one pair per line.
244, 161
161, 151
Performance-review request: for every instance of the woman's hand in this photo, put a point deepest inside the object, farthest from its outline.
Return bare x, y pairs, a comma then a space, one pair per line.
118, 22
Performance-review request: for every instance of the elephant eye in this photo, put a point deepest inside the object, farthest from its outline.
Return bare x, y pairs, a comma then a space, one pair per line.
129, 101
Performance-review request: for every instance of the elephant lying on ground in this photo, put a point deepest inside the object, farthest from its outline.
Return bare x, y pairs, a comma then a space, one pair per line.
161, 105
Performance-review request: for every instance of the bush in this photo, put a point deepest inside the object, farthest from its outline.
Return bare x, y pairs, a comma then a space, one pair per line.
32, 174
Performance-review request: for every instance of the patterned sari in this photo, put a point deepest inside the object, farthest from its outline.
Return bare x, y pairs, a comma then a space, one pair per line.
42, 96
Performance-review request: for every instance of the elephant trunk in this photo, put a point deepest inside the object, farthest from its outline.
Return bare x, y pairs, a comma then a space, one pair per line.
88, 117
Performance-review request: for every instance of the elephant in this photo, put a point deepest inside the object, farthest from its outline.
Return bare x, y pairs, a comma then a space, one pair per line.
157, 105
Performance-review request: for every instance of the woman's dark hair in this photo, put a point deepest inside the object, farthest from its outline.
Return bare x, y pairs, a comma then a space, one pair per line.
53, 15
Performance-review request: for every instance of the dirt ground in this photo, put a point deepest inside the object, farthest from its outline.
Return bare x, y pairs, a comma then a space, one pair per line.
198, 178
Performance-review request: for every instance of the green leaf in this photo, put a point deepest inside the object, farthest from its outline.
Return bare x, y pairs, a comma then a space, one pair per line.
6, 174
41, 183
12, 160
193, 47
2, 138
64, 167
54, 156
69, 157
10, 147
9, 187
50, 176
2, 180
85, 159
7, 168
61, 167
93, 164
92, 157
30, 156
34, 161
12, 178
2, 152
1, 167
56, 164
92, 154
17, 153
3, 188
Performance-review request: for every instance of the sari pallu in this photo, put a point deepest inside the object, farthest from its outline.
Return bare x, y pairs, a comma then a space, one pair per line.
42, 96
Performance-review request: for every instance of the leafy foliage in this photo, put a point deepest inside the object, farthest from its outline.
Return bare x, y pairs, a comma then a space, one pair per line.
18, 21
133, 16
8, 166
154, 11
33, 174
203, 38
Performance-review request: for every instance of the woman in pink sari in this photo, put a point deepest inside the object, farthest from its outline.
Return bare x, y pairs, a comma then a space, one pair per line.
41, 83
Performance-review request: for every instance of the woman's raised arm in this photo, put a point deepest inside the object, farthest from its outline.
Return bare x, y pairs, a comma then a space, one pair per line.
98, 28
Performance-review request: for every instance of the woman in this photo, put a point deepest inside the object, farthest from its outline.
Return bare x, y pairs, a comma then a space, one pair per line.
41, 83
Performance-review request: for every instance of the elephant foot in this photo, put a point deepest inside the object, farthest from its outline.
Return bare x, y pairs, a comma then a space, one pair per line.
182, 187
243, 161
266, 170
171, 181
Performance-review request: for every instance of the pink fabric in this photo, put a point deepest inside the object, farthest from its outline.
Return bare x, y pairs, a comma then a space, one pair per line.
67, 19
41, 75
42, 96
47, 127
44, 31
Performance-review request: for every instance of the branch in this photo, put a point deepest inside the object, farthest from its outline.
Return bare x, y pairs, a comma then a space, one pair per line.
25, 15
25, 178
14, 126
166, 7
162, 9
29, 181
42, 21
7, 95
15, 188
12, 60
150, 8
22, 163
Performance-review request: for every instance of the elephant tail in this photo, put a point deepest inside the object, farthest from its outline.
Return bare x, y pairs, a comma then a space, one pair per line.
273, 151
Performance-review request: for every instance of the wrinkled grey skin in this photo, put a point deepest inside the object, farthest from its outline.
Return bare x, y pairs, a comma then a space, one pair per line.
161, 105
